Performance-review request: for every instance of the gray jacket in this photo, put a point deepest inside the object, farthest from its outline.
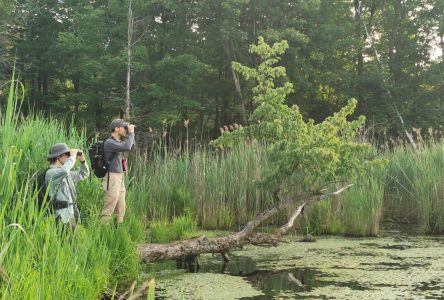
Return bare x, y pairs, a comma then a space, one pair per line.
113, 149
61, 183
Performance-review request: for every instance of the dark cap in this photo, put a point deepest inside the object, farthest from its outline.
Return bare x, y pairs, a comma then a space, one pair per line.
118, 123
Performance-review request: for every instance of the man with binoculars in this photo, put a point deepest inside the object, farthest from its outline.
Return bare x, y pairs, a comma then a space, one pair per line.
61, 181
113, 183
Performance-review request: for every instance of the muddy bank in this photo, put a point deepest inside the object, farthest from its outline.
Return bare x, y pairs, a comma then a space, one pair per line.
390, 267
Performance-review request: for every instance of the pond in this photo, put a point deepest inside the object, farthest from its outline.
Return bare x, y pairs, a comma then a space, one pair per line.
393, 266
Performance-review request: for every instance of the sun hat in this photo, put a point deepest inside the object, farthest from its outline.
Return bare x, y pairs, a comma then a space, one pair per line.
58, 149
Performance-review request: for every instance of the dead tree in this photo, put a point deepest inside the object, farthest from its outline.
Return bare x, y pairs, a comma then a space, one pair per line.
247, 236
131, 42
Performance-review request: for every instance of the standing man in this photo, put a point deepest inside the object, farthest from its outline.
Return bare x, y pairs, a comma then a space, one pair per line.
113, 183
61, 180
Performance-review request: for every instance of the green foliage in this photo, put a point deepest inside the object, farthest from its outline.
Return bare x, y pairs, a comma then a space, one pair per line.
183, 201
120, 245
415, 187
179, 228
219, 188
300, 151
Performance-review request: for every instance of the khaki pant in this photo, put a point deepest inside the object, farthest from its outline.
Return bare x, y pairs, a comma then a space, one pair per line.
114, 200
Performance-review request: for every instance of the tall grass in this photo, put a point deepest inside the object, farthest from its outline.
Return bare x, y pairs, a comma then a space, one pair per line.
415, 187
40, 261
362, 211
179, 228
357, 212
220, 189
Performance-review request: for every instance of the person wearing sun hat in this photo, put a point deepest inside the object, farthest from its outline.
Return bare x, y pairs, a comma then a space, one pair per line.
61, 181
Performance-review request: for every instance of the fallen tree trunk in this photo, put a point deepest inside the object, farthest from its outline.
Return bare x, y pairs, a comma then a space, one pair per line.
247, 236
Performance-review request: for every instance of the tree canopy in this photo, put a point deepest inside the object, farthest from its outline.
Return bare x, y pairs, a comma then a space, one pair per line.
72, 58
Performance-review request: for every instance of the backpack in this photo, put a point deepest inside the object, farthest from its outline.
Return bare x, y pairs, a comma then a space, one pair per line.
97, 156
42, 188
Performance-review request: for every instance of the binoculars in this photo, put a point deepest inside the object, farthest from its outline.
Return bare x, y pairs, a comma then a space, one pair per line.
126, 127
79, 153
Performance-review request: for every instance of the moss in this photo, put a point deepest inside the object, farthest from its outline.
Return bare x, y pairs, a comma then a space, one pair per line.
206, 286
333, 267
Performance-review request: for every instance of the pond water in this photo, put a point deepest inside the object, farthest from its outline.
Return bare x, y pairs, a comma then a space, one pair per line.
393, 266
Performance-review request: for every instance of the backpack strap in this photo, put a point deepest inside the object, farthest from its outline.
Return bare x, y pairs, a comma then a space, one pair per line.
58, 189
54, 200
113, 155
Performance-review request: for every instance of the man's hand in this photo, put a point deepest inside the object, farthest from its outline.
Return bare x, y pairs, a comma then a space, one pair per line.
131, 128
81, 157
73, 152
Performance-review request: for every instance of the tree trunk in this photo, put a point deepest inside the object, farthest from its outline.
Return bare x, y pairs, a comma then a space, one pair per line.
76, 83
441, 35
201, 124
128, 69
231, 55
442, 45
45, 83
216, 117
99, 111
33, 90
39, 83
222, 245
226, 110
394, 43
358, 34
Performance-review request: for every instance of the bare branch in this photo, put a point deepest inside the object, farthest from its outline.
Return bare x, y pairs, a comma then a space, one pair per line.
298, 211
294, 280
140, 36
195, 246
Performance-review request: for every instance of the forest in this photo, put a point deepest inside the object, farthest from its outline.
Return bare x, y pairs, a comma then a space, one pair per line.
169, 61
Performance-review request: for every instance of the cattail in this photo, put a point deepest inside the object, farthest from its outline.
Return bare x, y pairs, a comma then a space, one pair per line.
236, 126
417, 131
3, 274
221, 129
226, 128
231, 127
150, 129
185, 123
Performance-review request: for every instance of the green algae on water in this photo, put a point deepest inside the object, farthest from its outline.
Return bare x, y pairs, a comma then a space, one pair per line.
391, 267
